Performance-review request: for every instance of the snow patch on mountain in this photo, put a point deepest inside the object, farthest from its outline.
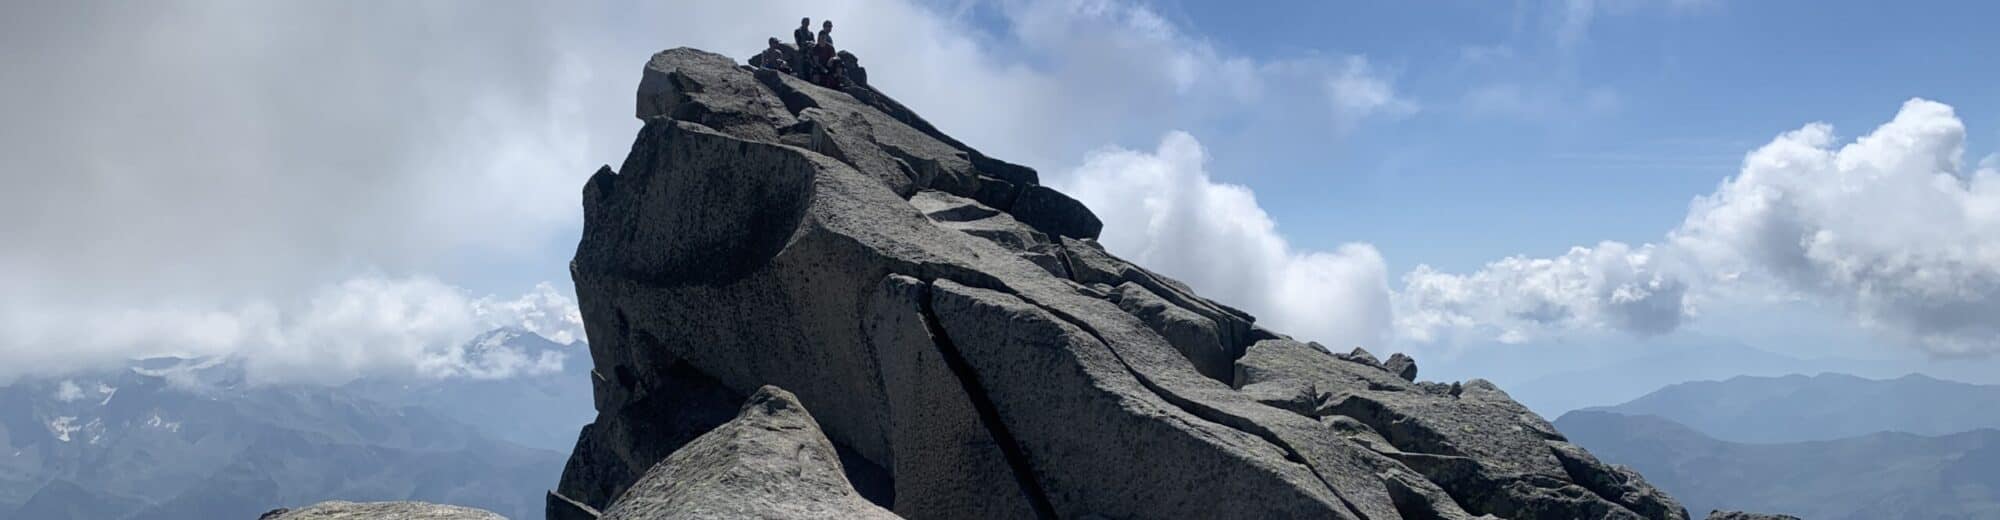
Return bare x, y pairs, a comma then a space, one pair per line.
62, 426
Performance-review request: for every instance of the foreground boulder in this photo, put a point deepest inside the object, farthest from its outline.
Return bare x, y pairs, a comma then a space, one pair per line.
968, 349
339, 510
770, 462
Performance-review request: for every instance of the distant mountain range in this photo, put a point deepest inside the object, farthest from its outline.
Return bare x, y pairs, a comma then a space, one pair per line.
1875, 476
1825, 446
1556, 378
184, 439
538, 410
1822, 407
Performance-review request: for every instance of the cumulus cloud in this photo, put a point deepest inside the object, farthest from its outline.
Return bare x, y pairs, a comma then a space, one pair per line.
1610, 286
1893, 226
1162, 209
545, 311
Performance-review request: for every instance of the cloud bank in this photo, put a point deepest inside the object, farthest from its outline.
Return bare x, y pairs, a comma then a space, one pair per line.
1162, 210
319, 187
1516, 299
413, 327
1893, 226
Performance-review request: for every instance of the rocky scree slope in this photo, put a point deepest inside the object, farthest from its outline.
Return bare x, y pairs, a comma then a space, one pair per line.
970, 351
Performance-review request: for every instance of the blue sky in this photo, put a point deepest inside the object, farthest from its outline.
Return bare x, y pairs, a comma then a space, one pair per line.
1692, 86
1434, 177
1524, 129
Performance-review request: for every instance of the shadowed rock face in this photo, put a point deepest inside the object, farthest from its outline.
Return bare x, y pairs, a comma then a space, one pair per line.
955, 329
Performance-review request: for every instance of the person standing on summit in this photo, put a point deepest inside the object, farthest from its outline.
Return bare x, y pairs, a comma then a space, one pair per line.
803, 37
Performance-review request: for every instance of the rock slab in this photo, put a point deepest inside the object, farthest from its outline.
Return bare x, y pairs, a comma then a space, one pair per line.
340, 510
1739, 515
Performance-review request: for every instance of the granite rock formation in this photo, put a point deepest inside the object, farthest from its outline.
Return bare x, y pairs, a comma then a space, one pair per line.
970, 351
1739, 515
340, 510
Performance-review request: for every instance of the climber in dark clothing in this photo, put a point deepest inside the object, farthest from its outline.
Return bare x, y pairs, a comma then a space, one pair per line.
833, 75
774, 57
803, 37
823, 53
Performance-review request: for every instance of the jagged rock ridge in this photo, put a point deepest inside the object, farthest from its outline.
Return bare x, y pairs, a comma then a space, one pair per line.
970, 351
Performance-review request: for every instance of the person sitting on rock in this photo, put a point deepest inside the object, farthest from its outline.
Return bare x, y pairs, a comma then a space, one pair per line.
823, 53
831, 77
773, 57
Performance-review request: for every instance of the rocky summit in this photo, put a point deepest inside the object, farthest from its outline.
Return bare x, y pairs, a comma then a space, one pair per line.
952, 342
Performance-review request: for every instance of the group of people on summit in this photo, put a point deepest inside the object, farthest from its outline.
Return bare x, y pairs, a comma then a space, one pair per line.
814, 59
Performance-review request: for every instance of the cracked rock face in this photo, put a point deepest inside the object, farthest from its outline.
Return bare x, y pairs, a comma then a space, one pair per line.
969, 351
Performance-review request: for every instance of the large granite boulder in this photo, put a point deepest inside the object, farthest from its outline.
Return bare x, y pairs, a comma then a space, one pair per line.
339, 510
966, 346
771, 461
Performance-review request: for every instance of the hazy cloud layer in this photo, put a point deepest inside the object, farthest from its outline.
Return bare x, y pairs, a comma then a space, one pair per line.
1162, 210
1894, 226
303, 184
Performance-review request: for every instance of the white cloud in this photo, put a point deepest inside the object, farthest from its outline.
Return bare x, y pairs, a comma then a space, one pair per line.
1114, 71
1612, 286
67, 391
545, 311
1892, 226
1162, 210
411, 326
416, 326
1358, 92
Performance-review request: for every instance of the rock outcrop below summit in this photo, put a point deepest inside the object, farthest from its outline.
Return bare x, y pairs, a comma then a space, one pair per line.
770, 462
970, 351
